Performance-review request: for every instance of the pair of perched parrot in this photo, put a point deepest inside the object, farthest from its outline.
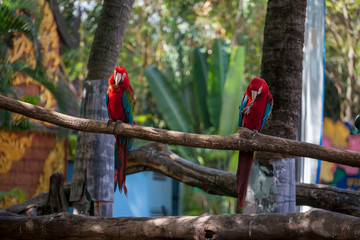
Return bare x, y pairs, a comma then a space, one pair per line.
255, 109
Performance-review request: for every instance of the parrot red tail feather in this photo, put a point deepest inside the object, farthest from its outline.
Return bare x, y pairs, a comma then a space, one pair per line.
242, 176
121, 162
255, 109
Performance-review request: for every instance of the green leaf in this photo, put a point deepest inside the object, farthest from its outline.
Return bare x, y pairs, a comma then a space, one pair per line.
200, 81
233, 92
233, 163
168, 100
218, 62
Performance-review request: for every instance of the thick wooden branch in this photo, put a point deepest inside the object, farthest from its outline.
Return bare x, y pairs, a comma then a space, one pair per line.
314, 224
243, 140
328, 197
157, 157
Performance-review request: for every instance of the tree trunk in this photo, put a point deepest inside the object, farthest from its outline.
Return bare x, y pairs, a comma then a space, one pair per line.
315, 224
281, 68
108, 38
94, 159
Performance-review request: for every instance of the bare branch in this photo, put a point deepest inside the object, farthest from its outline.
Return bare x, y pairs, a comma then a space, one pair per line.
314, 224
243, 140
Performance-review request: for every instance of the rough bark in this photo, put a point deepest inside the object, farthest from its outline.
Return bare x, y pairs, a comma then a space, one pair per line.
243, 140
108, 38
281, 67
157, 157
57, 201
314, 224
282, 63
330, 198
94, 157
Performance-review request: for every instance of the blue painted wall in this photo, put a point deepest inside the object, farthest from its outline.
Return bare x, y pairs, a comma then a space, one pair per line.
149, 194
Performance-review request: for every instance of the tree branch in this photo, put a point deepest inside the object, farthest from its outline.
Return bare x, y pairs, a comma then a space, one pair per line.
157, 157
329, 198
243, 140
314, 224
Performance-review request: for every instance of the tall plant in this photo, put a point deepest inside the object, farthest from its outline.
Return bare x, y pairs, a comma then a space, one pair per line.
217, 86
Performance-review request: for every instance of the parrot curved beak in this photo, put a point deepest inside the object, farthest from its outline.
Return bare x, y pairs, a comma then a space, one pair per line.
253, 94
119, 78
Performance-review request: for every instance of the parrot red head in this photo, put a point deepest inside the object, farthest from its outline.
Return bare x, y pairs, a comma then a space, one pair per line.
257, 87
119, 78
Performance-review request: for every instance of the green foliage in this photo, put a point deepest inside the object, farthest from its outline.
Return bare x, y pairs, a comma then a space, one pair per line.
342, 61
200, 81
168, 100
218, 64
75, 60
225, 83
16, 192
200, 202
233, 92
216, 90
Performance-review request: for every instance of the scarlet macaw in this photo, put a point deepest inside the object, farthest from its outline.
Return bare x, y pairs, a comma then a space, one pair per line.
120, 105
255, 109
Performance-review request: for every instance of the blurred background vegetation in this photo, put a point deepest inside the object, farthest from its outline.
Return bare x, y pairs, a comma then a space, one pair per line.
180, 56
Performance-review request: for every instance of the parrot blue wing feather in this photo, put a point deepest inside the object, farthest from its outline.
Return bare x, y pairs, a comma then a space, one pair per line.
242, 106
128, 105
267, 113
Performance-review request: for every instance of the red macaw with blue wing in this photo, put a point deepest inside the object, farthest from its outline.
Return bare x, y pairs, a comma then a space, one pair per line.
255, 109
120, 103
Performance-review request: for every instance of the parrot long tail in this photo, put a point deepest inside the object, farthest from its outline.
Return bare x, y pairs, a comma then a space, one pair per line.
120, 161
242, 176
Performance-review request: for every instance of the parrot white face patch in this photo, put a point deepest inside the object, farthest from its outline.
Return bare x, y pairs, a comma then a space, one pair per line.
118, 78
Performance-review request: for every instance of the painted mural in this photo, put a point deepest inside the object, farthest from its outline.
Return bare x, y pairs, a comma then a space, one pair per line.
340, 135
28, 158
